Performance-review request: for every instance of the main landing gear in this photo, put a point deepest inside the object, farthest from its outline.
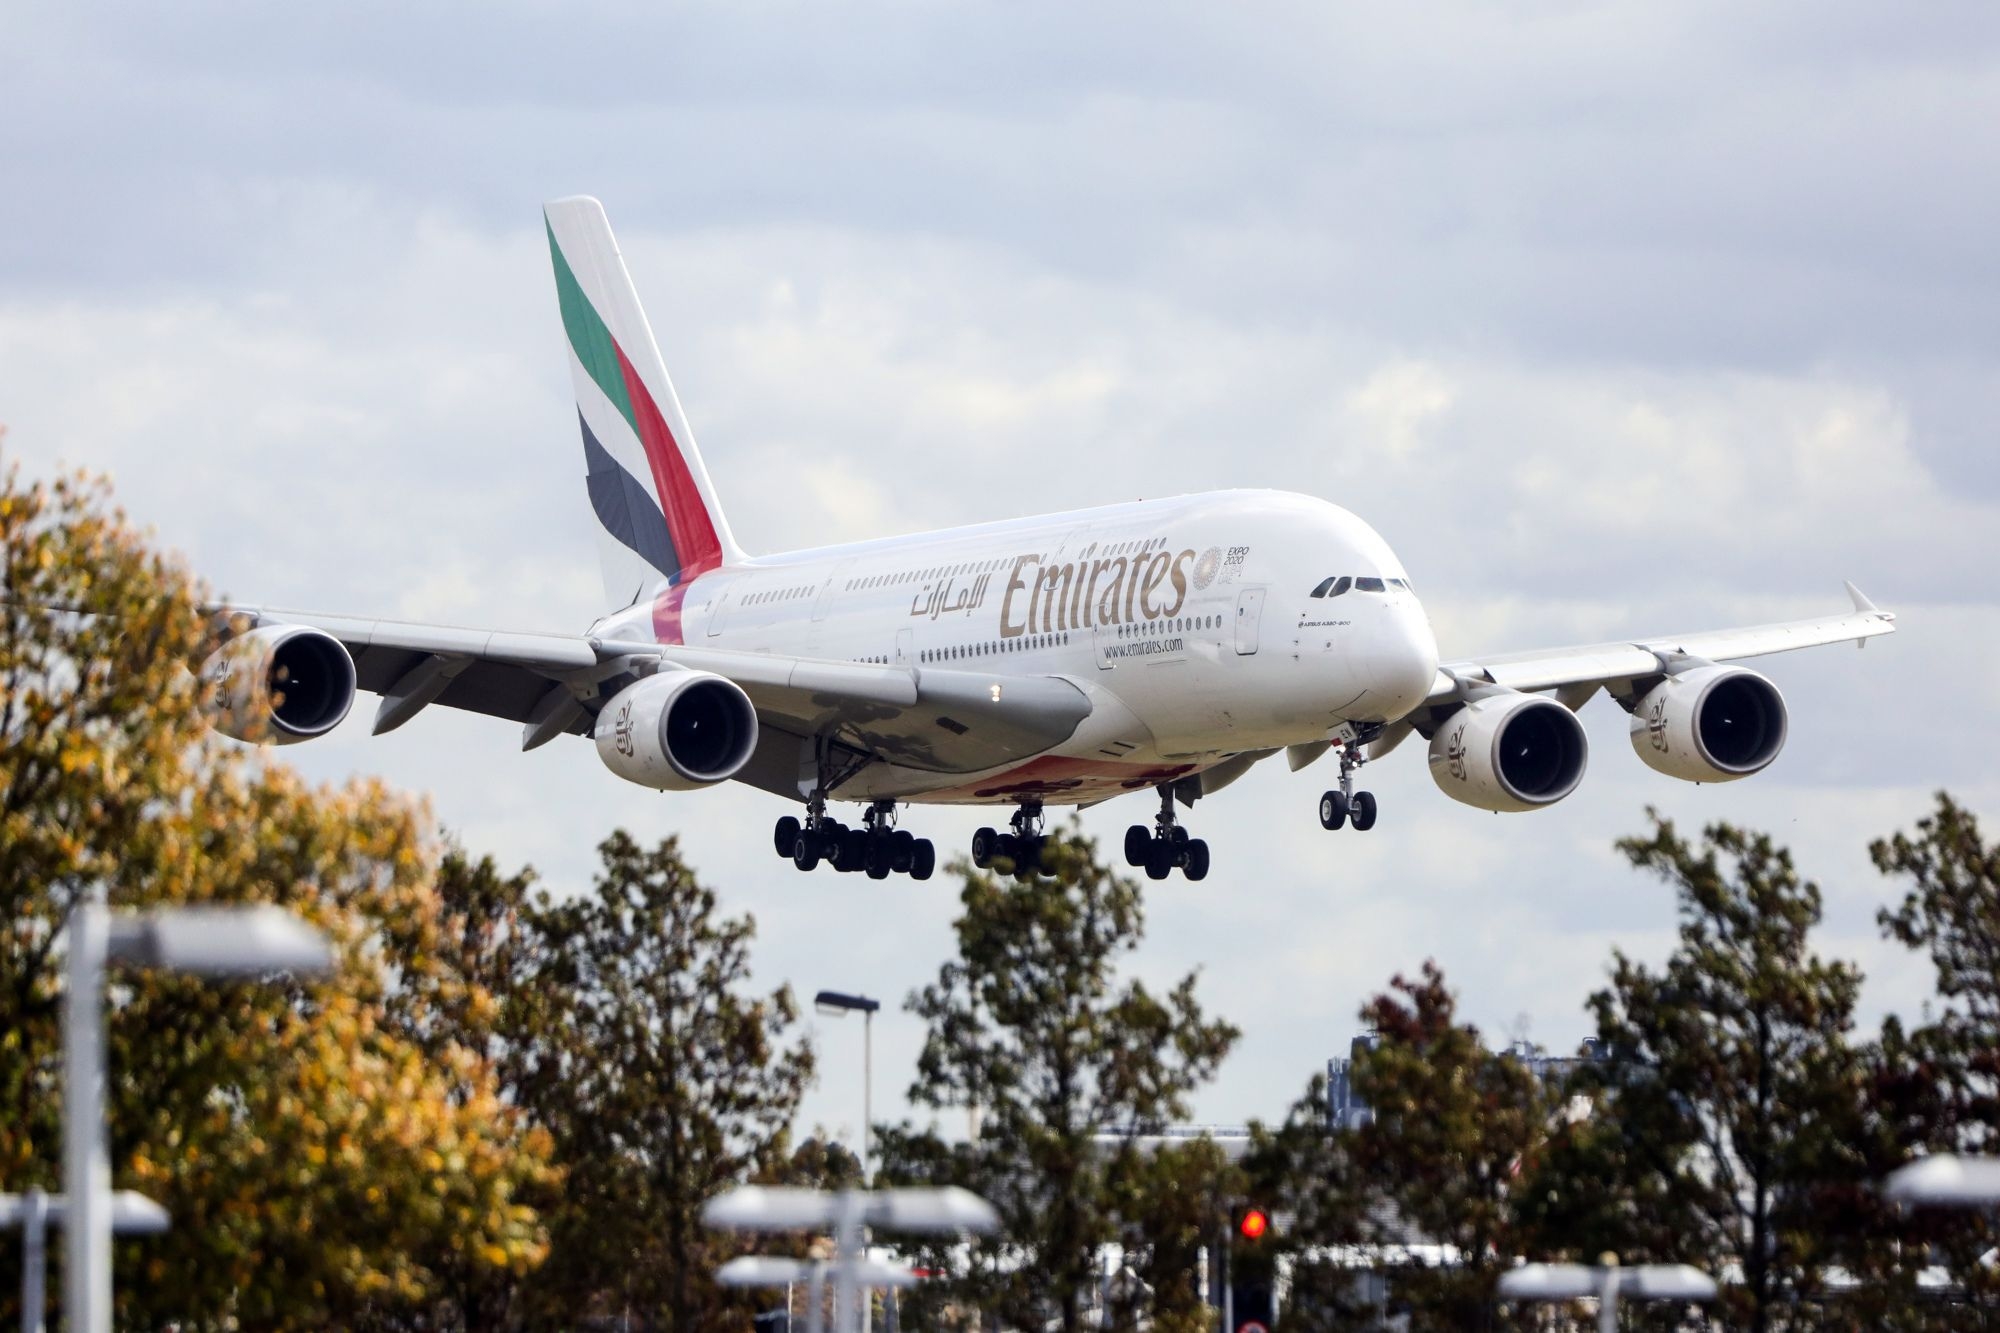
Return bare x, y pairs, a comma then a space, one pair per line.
1022, 847
1348, 806
878, 848
1165, 847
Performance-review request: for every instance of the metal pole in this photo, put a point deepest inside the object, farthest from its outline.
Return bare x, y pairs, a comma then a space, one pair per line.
846, 1241
867, 1092
816, 1300
34, 1258
1607, 1300
86, 1172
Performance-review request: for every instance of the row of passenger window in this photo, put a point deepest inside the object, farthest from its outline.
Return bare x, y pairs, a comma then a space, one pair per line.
1340, 583
991, 646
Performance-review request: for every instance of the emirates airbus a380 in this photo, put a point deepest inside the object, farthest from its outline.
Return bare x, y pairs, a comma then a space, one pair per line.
1161, 646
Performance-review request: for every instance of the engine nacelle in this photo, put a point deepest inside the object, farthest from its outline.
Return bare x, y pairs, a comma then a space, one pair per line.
1509, 752
1710, 724
677, 731
278, 685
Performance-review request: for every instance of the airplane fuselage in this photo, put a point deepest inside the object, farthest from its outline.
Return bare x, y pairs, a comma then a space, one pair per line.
1190, 622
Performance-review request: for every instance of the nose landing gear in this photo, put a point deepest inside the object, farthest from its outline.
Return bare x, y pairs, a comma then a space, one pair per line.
1165, 847
1022, 847
1348, 805
878, 848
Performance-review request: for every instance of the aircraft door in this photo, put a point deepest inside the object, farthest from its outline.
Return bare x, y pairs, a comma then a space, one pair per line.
834, 581
1249, 611
905, 650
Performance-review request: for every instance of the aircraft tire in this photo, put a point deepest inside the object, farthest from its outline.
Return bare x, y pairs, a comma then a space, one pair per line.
1364, 810
1138, 844
1197, 859
1160, 860
1332, 810
805, 853
985, 845
879, 858
1180, 836
902, 851
786, 835
852, 854
923, 859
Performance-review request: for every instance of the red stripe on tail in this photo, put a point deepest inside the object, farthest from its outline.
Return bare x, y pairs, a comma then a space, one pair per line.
688, 522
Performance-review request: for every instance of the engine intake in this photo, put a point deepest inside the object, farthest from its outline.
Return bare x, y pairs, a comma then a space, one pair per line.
1509, 752
278, 685
677, 731
1710, 724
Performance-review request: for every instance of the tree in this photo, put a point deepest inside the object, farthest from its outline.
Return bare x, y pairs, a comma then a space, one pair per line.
1030, 1027
1938, 1088
1731, 1122
1454, 1137
319, 1169
661, 1079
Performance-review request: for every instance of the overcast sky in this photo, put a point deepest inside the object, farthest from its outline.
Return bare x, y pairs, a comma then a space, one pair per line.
1613, 320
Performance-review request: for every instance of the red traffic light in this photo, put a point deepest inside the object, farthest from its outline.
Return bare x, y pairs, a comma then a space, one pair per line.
1253, 1224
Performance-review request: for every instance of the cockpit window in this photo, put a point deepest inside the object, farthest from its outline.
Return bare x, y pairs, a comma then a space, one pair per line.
1369, 583
1324, 585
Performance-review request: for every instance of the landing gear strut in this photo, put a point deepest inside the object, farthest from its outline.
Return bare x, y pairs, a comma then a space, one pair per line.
878, 848
1021, 849
1348, 805
1165, 847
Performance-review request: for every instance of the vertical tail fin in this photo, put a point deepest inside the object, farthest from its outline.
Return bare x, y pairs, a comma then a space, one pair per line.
657, 516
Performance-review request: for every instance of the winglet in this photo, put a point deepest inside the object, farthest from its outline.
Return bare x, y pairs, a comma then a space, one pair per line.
1861, 602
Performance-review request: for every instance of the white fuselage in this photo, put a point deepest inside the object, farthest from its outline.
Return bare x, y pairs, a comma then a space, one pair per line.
1190, 622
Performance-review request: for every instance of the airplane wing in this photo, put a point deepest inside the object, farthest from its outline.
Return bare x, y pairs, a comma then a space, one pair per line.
1576, 673
938, 720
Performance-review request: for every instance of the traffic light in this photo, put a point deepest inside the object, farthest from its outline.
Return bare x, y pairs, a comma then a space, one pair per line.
1253, 1305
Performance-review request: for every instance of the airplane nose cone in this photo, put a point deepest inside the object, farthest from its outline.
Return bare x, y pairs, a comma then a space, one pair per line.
1404, 663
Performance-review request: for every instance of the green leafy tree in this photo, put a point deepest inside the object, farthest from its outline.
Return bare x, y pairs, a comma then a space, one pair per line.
320, 1167
1455, 1135
1732, 1119
1937, 1089
1031, 1027
663, 1081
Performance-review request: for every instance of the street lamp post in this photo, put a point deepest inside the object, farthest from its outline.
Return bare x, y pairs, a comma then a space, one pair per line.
205, 941
847, 1213
1607, 1282
1946, 1181
836, 1005
132, 1214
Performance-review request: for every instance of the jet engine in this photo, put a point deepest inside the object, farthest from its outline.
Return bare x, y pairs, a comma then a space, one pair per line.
278, 685
1509, 752
1710, 724
677, 731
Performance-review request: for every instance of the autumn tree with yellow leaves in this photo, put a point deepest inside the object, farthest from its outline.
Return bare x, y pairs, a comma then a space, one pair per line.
327, 1151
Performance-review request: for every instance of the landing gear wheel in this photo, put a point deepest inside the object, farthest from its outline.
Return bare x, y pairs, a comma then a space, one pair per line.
1159, 859
1197, 859
786, 836
805, 852
1333, 810
880, 858
1180, 836
851, 850
902, 850
985, 846
923, 859
1364, 810
1138, 842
